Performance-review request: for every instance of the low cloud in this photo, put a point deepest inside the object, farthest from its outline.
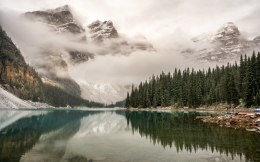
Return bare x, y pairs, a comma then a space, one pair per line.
39, 42
169, 25
117, 65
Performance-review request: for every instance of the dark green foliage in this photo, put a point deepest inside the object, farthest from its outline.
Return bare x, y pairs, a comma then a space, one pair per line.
194, 88
71, 86
117, 104
182, 131
230, 88
8, 50
23, 134
14, 74
58, 97
127, 101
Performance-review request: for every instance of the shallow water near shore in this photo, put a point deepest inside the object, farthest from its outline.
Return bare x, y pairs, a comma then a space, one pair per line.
120, 136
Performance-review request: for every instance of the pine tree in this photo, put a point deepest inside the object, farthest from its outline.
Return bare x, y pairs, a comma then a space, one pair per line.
195, 88
249, 85
127, 102
232, 93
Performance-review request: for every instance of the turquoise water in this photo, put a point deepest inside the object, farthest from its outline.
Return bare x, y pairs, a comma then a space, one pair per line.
119, 136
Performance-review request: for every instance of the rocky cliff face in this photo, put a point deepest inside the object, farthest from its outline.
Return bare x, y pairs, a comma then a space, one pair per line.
54, 67
101, 35
228, 34
24, 82
106, 34
62, 21
226, 44
15, 74
100, 31
257, 40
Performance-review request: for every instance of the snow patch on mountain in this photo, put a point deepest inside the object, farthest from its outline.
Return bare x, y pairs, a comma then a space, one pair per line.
8, 100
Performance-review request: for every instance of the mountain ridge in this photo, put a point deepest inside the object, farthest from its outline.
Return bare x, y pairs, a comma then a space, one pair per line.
101, 34
23, 83
226, 44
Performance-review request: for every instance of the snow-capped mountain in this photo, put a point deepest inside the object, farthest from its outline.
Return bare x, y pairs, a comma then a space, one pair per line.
102, 30
257, 40
62, 21
226, 44
105, 34
102, 35
103, 92
55, 61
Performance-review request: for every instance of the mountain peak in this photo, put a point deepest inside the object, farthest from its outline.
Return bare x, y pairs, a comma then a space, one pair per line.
257, 39
58, 16
60, 9
226, 43
227, 31
102, 30
229, 24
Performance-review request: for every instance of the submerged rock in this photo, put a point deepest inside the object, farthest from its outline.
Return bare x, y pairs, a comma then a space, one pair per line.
248, 121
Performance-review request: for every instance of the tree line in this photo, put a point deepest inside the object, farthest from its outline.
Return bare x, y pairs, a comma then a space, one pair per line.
232, 84
57, 97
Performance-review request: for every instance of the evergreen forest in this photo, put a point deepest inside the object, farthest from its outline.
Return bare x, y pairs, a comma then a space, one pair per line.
232, 84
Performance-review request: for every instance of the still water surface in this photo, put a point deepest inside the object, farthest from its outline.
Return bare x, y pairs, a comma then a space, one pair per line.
119, 136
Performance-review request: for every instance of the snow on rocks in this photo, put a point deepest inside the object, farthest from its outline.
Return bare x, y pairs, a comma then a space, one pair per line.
249, 121
8, 100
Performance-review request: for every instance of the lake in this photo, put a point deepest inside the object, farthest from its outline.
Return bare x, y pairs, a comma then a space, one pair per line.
120, 136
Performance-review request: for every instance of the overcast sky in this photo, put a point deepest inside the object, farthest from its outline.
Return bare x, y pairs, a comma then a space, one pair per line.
162, 22
154, 18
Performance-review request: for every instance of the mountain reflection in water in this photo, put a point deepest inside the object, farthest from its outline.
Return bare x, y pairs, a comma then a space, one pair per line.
84, 136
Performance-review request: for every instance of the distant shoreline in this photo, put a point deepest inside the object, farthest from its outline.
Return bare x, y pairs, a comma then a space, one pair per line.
200, 109
244, 118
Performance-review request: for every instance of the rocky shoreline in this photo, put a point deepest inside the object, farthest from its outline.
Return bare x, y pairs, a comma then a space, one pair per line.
244, 118
216, 109
247, 120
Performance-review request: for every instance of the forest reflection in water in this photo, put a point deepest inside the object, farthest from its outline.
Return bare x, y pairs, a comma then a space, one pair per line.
185, 133
78, 135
